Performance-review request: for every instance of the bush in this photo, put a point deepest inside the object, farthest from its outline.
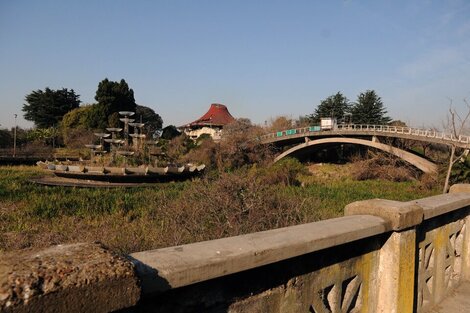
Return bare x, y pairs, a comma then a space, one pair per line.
285, 172
136, 219
233, 204
239, 146
204, 153
77, 138
379, 165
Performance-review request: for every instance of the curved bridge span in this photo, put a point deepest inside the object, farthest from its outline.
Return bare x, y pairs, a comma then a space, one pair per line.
365, 135
296, 135
419, 162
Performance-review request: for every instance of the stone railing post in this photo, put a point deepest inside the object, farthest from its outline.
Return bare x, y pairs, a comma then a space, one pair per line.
396, 272
80, 277
457, 188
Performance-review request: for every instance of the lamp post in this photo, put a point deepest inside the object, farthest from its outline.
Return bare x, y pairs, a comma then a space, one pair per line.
14, 138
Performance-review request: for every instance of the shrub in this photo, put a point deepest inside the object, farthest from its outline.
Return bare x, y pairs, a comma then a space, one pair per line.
239, 146
285, 172
378, 165
232, 205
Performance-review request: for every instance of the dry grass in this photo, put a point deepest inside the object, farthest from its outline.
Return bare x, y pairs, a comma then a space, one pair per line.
378, 165
135, 219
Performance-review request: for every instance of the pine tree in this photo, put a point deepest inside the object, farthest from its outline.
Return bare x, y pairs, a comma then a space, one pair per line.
334, 106
369, 109
47, 108
112, 98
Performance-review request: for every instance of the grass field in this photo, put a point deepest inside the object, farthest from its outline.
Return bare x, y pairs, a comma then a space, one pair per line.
136, 219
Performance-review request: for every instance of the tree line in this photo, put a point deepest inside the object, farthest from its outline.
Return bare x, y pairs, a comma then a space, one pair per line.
367, 109
61, 110
61, 113
51, 108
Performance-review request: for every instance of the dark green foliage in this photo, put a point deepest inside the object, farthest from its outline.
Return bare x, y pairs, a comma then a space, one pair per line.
21, 136
46, 108
76, 122
42, 134
369, 109
114, 120
112, 97
334, 106
6, 138
203, 137
461, 172
170, 132
78, 118
152, 120
285, 172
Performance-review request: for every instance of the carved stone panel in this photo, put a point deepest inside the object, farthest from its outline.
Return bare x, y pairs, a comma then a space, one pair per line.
439, 263
342, 297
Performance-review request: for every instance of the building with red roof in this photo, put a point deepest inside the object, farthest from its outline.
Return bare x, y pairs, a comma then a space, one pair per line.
210, 123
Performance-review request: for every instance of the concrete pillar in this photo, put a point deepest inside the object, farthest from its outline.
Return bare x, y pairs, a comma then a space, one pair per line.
80, 277
466, 251
457, 188
396, 273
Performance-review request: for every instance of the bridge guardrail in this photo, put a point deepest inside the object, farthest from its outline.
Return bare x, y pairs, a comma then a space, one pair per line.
428, 133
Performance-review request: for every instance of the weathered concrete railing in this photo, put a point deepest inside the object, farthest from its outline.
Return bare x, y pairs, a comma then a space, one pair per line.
405, 132
383, 256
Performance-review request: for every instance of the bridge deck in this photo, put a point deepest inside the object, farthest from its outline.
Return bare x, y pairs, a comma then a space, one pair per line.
457, 302
426, 135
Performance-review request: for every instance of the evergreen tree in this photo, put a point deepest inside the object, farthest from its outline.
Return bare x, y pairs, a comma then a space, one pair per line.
152, 120
47, 108
334, 106
369, 109
170, 132
112, 98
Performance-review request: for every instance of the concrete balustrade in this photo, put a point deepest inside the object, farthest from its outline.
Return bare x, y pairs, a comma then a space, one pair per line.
382, 256
426, 135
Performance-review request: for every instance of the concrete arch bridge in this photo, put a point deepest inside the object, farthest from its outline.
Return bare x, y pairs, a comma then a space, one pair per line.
311, 138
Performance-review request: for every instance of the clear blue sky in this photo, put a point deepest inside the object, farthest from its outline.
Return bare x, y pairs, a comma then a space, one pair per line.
260, 58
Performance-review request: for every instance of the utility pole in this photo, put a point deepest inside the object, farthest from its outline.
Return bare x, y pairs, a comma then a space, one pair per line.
14, 138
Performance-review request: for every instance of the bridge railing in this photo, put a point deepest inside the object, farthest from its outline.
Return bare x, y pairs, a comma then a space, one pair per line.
315, 130
382, 256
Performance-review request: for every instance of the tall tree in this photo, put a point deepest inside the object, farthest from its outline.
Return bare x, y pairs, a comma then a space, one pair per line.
369, 109
334, 106
152, 120
47, 108
112, 98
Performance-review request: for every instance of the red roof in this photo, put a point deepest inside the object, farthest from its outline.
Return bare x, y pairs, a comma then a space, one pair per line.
218, 115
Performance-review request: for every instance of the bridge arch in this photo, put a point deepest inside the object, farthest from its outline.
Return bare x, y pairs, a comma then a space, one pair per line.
417, 161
